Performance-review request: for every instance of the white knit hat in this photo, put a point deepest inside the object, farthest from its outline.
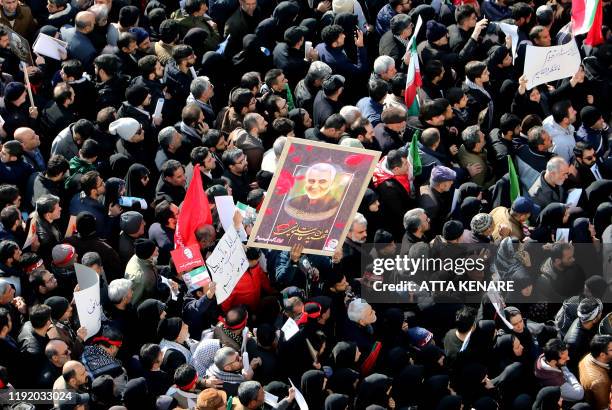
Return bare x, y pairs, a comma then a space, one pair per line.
124, 127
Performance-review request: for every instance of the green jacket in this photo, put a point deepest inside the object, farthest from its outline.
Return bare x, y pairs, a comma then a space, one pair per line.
186, 23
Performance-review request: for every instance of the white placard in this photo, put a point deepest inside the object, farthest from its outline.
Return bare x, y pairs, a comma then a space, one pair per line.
193, 72
544, 64
562, 235
299, 398
166, 282
87, 299
158, 107
226, 210
270, 399
50, 47
290, 328
226, 264
498, 303
307, 48
1, 121
511, 31
573, 197
246, 364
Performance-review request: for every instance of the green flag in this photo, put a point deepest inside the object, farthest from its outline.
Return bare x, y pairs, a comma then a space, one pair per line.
515, 189
415, 158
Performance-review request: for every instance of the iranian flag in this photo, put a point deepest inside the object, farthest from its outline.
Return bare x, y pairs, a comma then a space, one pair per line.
413, 80
587, 16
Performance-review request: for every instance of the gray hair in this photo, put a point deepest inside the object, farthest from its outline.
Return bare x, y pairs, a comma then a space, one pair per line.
278, 145
91, 258
356, 309
412, 218
350, 113
471, 136
359, 219
382, 64
554, 164
4, 285
46, 204
318, 70
52, 348
118, 289
199, 86
223, 356
100, 11
164, 138
248, 391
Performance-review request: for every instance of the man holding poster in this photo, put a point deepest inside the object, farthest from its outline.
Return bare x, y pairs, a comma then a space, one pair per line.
318, 188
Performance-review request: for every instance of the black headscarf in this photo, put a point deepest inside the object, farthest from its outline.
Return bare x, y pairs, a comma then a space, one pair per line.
434, 388
119, 164
343, 381
215, 66
579, 232
397, 358
133, 182
373, 390
450, 402
195, 38
603, 218
148, 320
408, 387
348, 21
549, 219
312, 388
113, 187
344, 354
485, 403
297, 116
136, 395
468, 189
547, 399
336, 402
597, 193
467, 209
251, 58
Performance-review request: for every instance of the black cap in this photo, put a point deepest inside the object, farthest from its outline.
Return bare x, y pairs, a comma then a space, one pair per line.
333, 83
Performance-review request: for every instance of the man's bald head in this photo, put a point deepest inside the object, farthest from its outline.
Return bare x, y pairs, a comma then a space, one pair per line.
85, 21
57, 352
74, 373
206, 236
27, 137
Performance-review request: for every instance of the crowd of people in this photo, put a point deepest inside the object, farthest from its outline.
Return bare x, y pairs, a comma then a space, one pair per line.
100, 145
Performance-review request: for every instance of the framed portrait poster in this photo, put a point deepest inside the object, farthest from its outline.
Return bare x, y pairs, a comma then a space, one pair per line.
313, 196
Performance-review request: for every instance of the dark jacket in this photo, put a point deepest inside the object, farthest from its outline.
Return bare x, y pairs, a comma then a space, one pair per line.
291, 61
110, 259
239, 25
323, 107
111, 92
336, 58
387, 138
54, 119
577, 339
543, 194
392, 47
174, 194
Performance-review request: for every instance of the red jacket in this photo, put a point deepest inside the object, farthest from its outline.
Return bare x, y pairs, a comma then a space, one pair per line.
248, 290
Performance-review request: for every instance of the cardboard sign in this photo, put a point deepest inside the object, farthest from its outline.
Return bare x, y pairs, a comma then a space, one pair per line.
544, 64
188, 258
226, 264
87, 299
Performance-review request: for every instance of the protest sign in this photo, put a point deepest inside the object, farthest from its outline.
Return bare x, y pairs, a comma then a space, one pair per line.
187, 258
226, 210
226, 264
544, 64
197, 278
511, 31
19, 45
87, 299
313, 196
50, 47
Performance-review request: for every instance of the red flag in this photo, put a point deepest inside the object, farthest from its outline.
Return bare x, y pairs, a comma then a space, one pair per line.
195, 212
